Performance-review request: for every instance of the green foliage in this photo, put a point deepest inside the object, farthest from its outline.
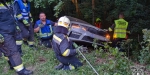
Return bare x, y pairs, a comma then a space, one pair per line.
43, 61
136, 12
94, 44
42, 3
144, 57
58, 8
86, 10
139, 52
45, 3
114, 62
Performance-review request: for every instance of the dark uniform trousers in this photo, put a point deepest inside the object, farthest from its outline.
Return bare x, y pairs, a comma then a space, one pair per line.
9, 49
73, 60
27, 32
46, 41
69, 60
116, 42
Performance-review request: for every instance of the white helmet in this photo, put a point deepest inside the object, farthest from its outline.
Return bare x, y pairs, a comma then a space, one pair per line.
64, 21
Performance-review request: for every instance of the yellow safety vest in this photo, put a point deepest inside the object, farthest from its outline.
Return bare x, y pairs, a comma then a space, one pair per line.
120, 28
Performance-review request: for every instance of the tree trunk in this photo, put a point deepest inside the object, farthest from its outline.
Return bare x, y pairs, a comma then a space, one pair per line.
93, 11
77, 7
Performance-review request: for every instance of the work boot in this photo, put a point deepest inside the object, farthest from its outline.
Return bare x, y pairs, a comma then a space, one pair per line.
58, 67
68, 67
25, 72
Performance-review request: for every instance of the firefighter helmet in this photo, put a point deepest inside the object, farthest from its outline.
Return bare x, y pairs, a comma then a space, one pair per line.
64, 21
98, 19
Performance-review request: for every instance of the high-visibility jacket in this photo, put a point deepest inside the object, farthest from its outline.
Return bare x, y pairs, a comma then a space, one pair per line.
61, 43
120, 29
25, 10
45, 31
98, 25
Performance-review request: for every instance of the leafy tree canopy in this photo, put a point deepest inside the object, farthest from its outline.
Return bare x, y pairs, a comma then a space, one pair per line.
136, 11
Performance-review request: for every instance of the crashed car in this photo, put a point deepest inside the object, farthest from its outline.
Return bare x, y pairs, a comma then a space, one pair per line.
81, 31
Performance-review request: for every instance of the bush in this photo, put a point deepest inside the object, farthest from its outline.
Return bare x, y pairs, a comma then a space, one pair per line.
144, 57
114, 62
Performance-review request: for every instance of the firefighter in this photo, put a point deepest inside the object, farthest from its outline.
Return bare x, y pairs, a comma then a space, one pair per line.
120, 29
98, 23
44, 27
7, 41
63, 47
25, 21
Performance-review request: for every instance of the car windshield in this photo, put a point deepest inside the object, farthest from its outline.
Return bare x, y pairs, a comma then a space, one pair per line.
79, 26
75, 25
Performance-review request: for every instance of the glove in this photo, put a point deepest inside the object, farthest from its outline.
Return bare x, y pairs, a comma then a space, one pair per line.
109, 29
83, 49
26, 23
75, 45
31, 20
1, 39
128, 32
79, 48
106, 30
41, 25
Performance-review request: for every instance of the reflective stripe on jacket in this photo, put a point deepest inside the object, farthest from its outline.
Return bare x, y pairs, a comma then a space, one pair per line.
3, 6
61, 44
47, 30
120, 28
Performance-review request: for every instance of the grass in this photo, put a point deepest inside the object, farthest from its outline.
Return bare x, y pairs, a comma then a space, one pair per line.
43, 61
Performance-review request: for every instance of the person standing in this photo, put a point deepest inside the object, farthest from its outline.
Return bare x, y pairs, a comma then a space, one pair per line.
25, 21
120, 28
98, 23
7, 41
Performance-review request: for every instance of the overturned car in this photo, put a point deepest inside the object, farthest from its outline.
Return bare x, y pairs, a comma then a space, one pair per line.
83, 32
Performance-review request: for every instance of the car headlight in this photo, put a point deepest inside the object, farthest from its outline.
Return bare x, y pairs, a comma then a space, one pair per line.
107, 36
